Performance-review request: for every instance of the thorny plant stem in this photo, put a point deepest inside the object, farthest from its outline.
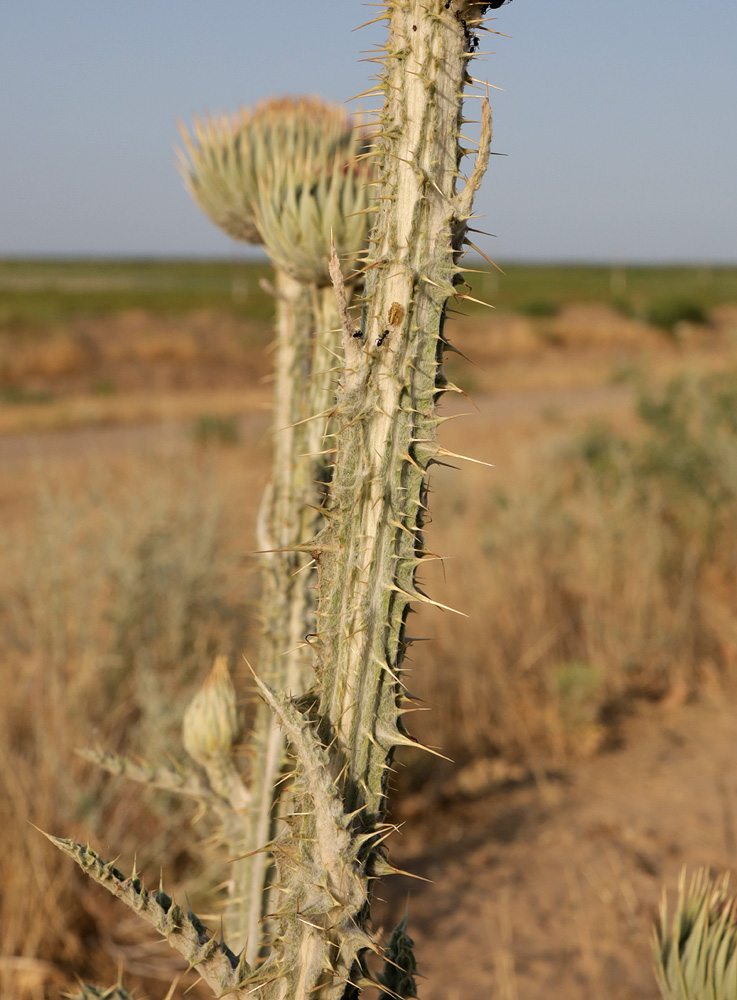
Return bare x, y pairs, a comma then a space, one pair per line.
342, 735
290, 512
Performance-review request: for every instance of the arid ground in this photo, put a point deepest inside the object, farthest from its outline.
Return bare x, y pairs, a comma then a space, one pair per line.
588, 702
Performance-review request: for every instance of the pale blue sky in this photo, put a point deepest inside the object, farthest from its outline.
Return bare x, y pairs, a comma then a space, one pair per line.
619, 119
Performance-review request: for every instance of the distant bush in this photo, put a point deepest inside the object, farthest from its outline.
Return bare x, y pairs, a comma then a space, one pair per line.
623, 306
210, 429
19, 396
668, 313
104, 387
539, 308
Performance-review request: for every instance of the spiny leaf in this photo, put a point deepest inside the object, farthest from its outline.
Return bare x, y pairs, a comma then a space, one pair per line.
214, 961
181, 782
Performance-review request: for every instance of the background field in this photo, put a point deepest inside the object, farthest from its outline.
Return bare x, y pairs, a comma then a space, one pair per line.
587, 702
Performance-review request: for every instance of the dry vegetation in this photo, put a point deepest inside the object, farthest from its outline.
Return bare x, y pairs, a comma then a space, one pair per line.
596, 563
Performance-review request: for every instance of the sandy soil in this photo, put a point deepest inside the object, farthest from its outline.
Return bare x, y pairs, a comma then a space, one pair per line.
540, 886
550, 888
254, 420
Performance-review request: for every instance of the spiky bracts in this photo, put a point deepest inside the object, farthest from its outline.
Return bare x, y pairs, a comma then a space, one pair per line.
400, 967
228, 154
696, 954
212, 725
286, 174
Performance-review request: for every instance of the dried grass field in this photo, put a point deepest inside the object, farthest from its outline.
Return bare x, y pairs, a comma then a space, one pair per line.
587, 701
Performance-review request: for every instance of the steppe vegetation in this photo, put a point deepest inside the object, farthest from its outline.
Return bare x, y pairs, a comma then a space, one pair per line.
598, 571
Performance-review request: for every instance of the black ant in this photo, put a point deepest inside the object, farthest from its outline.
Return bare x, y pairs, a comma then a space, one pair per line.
382, 338
471, 39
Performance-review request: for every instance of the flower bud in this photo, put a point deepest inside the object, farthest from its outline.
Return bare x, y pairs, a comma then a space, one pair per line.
211, 724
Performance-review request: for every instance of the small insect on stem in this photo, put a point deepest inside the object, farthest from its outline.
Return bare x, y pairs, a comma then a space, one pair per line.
396, 314
394, 318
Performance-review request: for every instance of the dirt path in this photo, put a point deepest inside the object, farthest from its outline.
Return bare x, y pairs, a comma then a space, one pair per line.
53, 445
551, 891
91, 441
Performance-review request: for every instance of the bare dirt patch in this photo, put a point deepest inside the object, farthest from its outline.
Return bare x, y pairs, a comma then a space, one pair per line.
545, 876
550, 887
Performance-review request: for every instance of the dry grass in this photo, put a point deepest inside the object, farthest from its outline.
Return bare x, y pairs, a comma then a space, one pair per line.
602, 571
596, 568
117, 590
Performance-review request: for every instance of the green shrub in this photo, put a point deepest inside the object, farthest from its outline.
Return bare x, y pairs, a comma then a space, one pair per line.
623, 306
210, 429
104, 387
539, 308
576, 692
669, 312
18, 396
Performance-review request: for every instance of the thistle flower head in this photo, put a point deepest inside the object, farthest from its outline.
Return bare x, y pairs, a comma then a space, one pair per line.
211, 724
286, 175
219, 183
696, 956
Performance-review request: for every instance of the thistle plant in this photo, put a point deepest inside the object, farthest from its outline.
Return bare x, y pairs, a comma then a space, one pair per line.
696, 954
344, 723
290, 175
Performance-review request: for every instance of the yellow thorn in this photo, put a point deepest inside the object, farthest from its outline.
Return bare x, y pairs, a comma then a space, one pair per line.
478, 250
417, 596
381, 17
470, 298
452, 454
364, 93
